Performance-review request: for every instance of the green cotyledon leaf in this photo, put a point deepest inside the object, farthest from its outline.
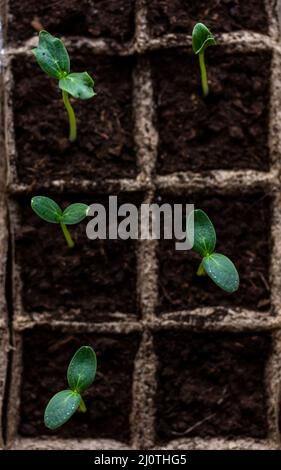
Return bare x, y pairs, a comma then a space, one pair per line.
222, 271
201, 38
74, 213
46, 209
52, 56
204, 232
60, 408
78, 85
82, 369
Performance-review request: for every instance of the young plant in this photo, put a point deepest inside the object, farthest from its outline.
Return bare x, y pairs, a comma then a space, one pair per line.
201, 39
220, 269
80, 376
50, 211
53, 59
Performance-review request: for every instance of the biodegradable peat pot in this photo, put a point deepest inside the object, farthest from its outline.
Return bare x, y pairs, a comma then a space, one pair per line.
181, 364
116, 353
94, 281
229, 129
105, 144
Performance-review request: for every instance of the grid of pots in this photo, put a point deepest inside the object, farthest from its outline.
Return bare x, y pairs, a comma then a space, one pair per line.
199, 368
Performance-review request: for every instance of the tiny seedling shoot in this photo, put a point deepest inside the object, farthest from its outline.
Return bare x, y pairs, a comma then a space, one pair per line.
50, 211
218, 267
201, 39
53, 59
80, 376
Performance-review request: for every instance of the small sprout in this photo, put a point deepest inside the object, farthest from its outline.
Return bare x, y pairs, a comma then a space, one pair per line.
218, 267
53, 59
48, 210
201, 39
80, 376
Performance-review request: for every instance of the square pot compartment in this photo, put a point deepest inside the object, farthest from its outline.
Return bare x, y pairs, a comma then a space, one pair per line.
105, 144
211, 385
227, 130
180, 16
45, 358
94, 281
179, 286
106, 19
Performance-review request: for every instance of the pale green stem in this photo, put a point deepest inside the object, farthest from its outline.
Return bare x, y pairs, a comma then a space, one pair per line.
67, 235
204, 77
82, 406
71, 117
201, 271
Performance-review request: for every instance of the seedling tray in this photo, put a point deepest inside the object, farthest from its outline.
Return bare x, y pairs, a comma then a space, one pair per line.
139, 139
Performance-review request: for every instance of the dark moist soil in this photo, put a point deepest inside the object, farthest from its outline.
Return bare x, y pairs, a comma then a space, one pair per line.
112, 19
94, 279
229, 129
105, 145
211, 385
46, 356
242, 225
179, 16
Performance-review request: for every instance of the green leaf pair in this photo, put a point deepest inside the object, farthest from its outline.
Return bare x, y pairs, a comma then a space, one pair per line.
81, 373
219, 268
50, 211
201, 39
53, 58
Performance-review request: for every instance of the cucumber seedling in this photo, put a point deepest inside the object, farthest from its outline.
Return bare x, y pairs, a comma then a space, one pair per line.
201, 39
80, 376
218, 267
53, 58
50, 211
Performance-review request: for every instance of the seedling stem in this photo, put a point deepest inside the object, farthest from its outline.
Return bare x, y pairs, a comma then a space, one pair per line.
71, 116
204, 77
82, 406
202, 38
67, 235
201, 271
